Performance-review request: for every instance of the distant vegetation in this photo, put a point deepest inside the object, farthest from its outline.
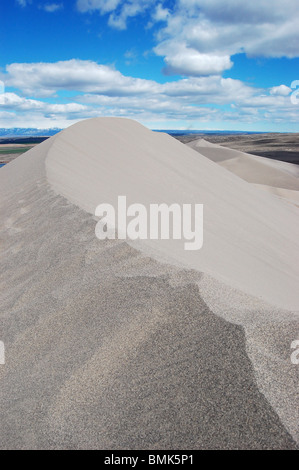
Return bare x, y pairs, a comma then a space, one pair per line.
19, 150
22, 140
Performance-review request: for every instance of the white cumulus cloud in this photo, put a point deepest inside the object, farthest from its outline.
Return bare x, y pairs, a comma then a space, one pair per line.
101, 90
119, 10
198, 37
52, 7
182, 60
44, 79
103, 6
24, 3
161, 13
221, 29
281, 90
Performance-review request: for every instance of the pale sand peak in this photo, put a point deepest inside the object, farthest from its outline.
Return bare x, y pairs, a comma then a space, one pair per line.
199, 143
97, 160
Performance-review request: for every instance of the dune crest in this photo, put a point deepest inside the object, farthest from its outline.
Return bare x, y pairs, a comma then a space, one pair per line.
97, 160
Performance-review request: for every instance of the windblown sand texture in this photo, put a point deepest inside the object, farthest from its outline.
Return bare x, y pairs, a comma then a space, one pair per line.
117, 345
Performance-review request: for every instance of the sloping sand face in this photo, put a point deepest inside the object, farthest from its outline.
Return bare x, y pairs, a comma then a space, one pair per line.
245, 231
276, 177
109, 348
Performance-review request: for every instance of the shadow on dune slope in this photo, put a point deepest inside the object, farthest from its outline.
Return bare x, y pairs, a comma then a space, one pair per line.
103, 352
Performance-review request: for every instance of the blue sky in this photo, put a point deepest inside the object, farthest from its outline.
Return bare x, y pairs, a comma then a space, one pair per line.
177, 64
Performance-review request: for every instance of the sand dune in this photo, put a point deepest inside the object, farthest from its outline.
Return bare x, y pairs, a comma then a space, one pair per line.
114, 345
258, 170
288, 195
241, 233
282, 147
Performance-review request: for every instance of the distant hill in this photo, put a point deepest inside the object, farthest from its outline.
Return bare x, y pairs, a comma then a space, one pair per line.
176, 132
30, 132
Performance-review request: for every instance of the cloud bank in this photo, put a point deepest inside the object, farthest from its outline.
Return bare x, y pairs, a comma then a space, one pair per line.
102, 90
196, 39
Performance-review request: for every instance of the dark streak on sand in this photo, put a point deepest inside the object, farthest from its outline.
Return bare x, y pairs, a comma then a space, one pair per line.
97, 359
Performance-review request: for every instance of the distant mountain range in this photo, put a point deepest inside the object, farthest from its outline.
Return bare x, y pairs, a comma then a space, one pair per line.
186, 132
32, 132
29, 132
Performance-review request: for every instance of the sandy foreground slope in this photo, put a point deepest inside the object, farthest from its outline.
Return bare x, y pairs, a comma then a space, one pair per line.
144, 345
